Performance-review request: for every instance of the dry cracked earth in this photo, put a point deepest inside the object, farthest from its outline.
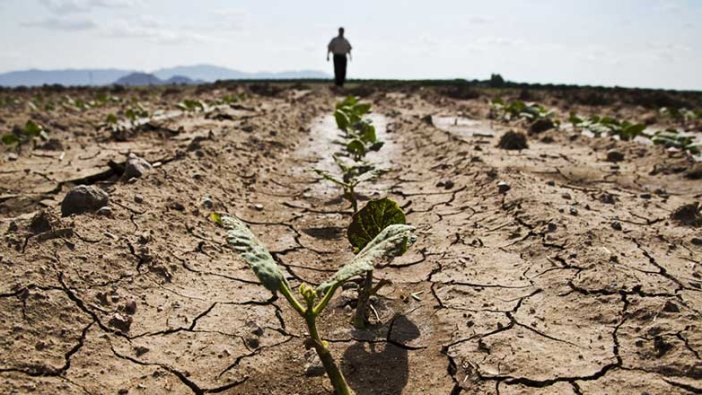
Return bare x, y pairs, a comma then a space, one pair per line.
574, 281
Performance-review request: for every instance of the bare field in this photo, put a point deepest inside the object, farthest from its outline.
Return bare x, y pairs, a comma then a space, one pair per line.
572, 279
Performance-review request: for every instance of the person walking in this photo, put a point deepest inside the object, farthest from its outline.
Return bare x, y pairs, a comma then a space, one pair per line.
340, 47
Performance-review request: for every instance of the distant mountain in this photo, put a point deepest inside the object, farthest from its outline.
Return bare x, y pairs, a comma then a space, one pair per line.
180, 75
209, 73
63, 77
139, 79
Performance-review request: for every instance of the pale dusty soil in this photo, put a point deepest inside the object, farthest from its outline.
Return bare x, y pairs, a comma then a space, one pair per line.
528, 292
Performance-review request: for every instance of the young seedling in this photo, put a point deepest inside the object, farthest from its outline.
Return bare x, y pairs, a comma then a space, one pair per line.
359, 138
192, 105
673, 138
351, 177
391, 242
605, 125
20, 136
365, 226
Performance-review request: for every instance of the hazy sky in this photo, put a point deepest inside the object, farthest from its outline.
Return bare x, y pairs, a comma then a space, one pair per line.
646, 43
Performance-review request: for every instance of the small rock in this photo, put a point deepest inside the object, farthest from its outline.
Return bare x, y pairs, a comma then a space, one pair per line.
141, 350
573, 211
607, 198
513, 141
176, 206
258, 206
696, 241
551, 183
645, 196
688, 214
83, 199
616, 225
121, 322
255, 329
12, 156
448, 184
105, 211
207, 202
503, 187
614, 155
252, 342
541, 125
566, 196
135, 167
427, 119
694, 172
41, 222
551, 227
52, 145
671, 307
131, 307
138, 199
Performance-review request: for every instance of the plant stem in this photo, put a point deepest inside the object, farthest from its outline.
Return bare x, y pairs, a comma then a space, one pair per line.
352, 197
335, 376
364, 293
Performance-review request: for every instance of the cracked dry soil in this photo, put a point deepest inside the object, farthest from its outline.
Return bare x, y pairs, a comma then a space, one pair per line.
531, 291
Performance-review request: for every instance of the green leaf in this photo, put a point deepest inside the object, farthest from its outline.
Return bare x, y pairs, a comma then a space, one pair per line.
362, 108
329, 177
342, 120
349, 101
111, 119
356, 148
33, 129
370, 221
253, 252
368, 134
390, 243
10, 138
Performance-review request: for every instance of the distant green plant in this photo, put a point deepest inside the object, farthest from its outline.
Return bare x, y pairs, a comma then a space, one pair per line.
20, 136
136, 111
604, 125
351, 176
682, 115
672, 138
192, 105
500, 110
359, 137
391, 242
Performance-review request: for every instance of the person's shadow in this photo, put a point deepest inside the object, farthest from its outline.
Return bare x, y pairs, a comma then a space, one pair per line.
370, 371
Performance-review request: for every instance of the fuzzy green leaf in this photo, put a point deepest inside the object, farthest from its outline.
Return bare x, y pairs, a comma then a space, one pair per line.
33, 129
390, 243
370, 221
253, 252
342, 120
10, 138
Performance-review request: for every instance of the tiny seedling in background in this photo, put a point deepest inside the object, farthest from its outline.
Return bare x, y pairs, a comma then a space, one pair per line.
20, 136
391, 242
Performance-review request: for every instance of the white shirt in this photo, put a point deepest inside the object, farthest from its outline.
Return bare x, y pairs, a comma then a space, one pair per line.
339, 46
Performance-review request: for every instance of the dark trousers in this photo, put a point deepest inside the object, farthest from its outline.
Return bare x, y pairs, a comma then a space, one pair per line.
339, 69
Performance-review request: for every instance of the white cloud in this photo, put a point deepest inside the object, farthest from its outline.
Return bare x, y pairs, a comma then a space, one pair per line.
154, 30
62, 23
71, 6
231, 18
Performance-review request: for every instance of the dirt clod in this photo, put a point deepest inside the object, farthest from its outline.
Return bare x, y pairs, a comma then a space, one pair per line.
688, 214
135, 167
513, 141
503, 187
541, 125
83, 199
121, 322
615, 155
